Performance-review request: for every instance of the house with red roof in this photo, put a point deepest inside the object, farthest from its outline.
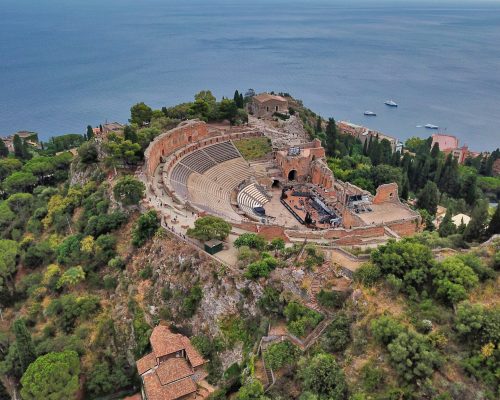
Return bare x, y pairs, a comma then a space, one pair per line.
173, 369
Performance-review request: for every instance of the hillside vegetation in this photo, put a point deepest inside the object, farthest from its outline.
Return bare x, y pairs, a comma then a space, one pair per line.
86, 272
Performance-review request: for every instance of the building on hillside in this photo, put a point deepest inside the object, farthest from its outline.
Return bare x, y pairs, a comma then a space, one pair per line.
30, 137
265, 105
171, 371
112, 127
449, 144
363, 134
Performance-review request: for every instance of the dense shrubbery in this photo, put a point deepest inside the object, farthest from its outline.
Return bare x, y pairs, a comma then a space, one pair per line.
145, 228
411, 354
300, 319
281, 354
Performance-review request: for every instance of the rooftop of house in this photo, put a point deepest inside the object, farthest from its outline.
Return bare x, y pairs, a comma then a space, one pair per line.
170, 378
265, 97
155, 390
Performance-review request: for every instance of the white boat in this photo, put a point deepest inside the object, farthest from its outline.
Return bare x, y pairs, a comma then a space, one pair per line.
430, 126
391, 103
370, 114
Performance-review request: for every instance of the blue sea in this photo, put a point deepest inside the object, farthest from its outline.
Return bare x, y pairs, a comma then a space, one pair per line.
65, 64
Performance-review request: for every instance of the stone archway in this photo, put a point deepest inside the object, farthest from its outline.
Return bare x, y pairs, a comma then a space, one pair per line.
292, 175
276, 183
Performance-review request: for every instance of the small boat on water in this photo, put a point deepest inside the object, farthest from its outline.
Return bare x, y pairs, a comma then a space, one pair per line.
370, 114
430, 126
391, 103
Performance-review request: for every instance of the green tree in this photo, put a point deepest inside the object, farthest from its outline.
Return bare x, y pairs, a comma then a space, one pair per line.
210, 227
407, 261
319, 125
122, 152
282, 354
52, 376
228, 110
25, 346
88, 153
252, 390
8, 261
494, 225
41, 167
20, 182
447, 227
106, 378
8, 166
19, 148
428, 198
72, 277
323, 377
140, 114
129, 133
453, 279
4, 151
384, 173
90, 132
337, 336
331, 137
476, 228
145, 228
129, 191
412, 356
251, 240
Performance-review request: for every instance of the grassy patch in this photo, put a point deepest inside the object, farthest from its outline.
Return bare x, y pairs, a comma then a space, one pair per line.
254, 148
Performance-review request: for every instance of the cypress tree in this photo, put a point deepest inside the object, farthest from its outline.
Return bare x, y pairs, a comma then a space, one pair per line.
447, 227
100, 128
18, 147
242, 102
4, 151
405, 191
476, 228
365, 148
318, 128
435, 150
331, 137
90, 132
236, 96
494, 226
25, 346
428, 198
375, 151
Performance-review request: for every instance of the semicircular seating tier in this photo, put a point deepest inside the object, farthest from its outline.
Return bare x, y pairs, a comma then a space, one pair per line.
251, 197
207, 177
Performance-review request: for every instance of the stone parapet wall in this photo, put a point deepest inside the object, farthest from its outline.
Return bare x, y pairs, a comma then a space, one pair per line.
166, 143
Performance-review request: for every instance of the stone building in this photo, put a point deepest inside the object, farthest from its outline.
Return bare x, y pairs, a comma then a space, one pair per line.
171, 371
265, 105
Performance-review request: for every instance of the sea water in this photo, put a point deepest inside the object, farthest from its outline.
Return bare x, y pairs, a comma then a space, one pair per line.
65, 64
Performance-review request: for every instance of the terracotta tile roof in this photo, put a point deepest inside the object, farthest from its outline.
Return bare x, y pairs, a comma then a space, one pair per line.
194, 357
264, 97
146, 363
172, 370
164, 342
156, 391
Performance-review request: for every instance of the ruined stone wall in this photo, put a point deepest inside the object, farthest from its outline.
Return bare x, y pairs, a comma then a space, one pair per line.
386, 193
165, 144
321, 175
